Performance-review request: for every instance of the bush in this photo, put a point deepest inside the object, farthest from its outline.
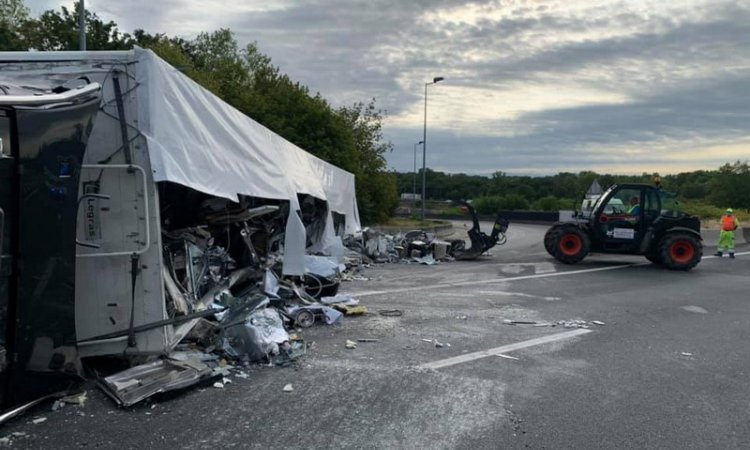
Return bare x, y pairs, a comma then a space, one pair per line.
706, 211
495, 203
548, 203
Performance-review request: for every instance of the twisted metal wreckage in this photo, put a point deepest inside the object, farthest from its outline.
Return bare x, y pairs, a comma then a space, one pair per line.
191, 231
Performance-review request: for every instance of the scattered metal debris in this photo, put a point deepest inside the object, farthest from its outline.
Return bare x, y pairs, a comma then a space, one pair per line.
436, 343
140, 382
351, 345
573, 323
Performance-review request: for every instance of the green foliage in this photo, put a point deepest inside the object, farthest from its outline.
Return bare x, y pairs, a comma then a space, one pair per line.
726, 187
702, 210
731, 188
13, 14
493, 204
552, 203
58, 30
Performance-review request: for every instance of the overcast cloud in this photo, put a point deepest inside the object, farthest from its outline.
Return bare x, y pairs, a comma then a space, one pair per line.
531, 87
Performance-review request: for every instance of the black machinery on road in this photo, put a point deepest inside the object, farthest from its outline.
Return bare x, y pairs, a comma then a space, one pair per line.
632, 219
480, 241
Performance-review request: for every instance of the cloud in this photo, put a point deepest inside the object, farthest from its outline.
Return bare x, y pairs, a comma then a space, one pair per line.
535, 86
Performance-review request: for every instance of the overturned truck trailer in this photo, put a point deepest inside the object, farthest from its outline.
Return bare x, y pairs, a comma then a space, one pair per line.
162, 151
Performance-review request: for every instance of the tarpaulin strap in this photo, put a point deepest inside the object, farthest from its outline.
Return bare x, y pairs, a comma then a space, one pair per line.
134, 261
121, 115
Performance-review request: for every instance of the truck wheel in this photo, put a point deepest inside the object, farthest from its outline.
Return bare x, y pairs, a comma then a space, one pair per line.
549, 240
570, 245
680, 251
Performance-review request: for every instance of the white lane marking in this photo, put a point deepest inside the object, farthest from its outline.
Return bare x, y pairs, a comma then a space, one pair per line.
518, 294
494, 280
497, 351
695, 309
509, 279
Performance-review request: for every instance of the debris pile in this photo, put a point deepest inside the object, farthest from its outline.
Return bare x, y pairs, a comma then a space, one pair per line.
417, 246
229, 303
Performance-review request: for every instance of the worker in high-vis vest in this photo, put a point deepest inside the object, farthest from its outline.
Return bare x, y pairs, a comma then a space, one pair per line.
729, 224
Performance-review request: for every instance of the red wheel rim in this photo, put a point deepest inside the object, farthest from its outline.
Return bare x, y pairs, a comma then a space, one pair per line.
682, 252
571, 244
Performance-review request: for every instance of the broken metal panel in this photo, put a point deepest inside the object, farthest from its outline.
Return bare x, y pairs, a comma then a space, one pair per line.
294, 248
140, 382
257, 337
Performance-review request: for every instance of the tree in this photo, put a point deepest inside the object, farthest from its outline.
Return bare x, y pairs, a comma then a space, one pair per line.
13, 14
731, 185
376, 190
58, 30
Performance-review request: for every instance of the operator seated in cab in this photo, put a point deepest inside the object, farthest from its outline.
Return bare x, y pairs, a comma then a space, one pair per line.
635, 206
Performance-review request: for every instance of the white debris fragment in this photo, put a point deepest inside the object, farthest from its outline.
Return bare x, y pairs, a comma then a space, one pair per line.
573, 323
436, 343
77, 399
506, 356
686, 354
351, 344
226, 381
288, 388
38, 420
242, 375
598, 322
219, 385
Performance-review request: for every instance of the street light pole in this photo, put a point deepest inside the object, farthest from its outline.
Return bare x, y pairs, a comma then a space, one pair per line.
424, 145
414, 190
82, 27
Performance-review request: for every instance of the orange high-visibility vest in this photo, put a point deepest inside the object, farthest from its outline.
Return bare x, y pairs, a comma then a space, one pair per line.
727, 223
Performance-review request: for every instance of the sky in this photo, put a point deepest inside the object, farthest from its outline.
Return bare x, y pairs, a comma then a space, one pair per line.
531, 87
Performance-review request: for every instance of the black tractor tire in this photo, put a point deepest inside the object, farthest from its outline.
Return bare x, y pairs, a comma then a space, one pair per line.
654, 258
570, 244
680, 251
549, 237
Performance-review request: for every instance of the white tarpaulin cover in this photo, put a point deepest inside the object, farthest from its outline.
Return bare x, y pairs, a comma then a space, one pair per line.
197, 140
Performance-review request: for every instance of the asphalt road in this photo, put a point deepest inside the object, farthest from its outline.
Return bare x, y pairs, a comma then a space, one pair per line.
668, 369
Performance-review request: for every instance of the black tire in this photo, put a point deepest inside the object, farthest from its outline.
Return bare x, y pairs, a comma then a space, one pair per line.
680, 251
549, 243
654, 258
304, 319
570, 244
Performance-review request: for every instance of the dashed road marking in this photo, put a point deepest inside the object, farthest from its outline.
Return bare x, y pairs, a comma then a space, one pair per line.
497, 351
